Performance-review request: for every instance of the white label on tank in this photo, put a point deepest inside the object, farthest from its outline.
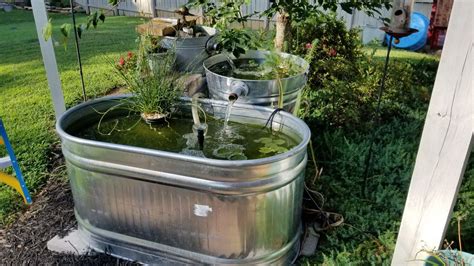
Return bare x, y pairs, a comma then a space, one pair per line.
202, 210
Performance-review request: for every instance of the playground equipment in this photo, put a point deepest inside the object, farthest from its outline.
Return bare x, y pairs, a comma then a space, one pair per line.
17, 181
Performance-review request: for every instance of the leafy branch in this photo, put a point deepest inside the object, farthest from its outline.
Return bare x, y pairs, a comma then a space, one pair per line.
65, 29
222, 14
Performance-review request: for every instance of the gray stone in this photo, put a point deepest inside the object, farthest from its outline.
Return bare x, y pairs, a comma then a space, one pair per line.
70, 244
194, 83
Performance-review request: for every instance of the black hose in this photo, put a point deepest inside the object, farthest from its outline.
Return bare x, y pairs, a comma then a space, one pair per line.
272, 116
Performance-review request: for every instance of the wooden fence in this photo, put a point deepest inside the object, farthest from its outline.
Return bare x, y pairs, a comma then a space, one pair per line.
165, 8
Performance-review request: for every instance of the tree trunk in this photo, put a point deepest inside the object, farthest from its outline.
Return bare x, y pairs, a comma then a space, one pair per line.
282, 30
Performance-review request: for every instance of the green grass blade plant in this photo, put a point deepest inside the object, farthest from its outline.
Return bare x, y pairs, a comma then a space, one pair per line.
154, 84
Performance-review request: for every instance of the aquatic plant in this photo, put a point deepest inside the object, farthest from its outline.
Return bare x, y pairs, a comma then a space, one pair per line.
155, 87
222, 14
152, 44
272, 146
281, 67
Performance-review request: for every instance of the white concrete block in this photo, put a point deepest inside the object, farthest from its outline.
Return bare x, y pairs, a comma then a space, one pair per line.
71, 244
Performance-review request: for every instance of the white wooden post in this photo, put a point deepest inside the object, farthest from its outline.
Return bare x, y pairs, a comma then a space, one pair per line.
153, 8
88, 9
445, 144
49, 58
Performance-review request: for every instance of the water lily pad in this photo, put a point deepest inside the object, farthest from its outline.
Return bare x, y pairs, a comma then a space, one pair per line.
226, 151
272, 146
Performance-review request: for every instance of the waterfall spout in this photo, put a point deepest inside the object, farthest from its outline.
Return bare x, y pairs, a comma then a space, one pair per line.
238, 89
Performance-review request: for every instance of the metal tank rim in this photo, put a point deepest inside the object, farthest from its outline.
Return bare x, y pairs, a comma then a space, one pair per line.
303, 130
206, 64
191, 42
211, 31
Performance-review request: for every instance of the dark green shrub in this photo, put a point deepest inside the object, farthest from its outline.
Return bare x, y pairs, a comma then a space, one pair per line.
371, 222
341, 101
59, 3
344, 81
326, 42
464, 210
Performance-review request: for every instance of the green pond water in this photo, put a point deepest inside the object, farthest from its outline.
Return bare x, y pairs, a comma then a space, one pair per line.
234, 141
251, 69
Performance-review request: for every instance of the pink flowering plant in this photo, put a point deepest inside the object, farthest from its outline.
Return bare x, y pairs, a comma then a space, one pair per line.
127, 63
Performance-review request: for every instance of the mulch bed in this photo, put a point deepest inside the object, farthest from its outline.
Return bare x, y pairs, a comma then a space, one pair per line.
24, 240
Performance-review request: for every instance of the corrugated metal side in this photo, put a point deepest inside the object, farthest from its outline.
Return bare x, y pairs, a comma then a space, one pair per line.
238, 227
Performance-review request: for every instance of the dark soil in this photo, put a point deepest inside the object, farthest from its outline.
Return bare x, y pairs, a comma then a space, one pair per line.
116, 91
24, 240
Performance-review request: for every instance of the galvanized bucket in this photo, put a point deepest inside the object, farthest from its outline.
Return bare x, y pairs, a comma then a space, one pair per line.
191, 52
145, 204
258, 92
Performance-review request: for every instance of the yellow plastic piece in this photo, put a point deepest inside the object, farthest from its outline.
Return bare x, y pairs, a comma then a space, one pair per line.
12, 182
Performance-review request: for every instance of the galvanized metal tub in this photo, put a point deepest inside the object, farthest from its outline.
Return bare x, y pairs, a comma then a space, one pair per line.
145, 204
191, 52
259, 92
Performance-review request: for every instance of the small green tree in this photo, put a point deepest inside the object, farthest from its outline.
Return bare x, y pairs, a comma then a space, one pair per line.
223, 14
295, 11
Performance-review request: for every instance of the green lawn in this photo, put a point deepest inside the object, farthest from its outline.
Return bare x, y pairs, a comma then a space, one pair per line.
25, 104
399, 54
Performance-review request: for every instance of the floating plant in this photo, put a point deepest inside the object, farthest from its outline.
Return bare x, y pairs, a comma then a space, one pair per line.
236, 143
273, 66
272, 146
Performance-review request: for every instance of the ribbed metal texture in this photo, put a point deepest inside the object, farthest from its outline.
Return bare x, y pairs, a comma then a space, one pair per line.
260, 92
142, 204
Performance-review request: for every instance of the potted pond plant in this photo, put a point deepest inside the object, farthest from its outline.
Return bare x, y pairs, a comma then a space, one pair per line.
155, 52
155, 88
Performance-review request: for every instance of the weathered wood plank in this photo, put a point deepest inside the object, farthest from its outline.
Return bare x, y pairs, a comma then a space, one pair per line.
445, 144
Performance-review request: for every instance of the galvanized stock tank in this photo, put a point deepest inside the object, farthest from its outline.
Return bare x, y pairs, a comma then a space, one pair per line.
257, 92
145, 204
191, 52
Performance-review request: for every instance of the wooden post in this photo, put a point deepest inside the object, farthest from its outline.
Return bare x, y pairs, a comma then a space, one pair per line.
49, 58
153, 8
267, 19
445, 144
88, 9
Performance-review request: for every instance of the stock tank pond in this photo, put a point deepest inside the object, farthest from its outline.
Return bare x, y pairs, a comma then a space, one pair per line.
147, 192
225, 141
258, 78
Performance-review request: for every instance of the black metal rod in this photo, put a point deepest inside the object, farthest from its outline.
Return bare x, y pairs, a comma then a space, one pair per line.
78, 52
200, 137
368, 162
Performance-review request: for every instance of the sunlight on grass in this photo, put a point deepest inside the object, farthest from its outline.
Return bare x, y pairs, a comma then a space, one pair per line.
25, 103
381, 52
